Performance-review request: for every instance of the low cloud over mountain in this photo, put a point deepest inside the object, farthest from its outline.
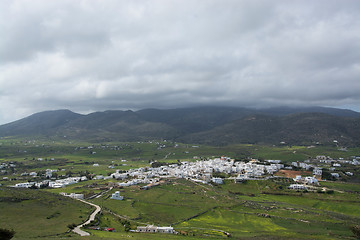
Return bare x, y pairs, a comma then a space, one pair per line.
97, 55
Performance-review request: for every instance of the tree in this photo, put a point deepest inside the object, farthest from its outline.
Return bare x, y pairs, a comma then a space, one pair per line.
69, 173
72, 226
356, 230
6, 234
126, 224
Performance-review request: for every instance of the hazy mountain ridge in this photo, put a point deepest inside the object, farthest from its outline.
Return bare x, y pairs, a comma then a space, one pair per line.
41, 123
300, 128
208, 125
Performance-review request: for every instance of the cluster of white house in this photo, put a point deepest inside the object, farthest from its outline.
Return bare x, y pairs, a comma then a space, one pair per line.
306, 180
302, 165
199, 170
302, 183
4, 167
327, 160
67, 181
297, 187
155, 229
54, 184
7, 165
73, 195
323, 159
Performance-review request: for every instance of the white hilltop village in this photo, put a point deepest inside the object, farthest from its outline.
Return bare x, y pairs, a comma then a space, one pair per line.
201, 171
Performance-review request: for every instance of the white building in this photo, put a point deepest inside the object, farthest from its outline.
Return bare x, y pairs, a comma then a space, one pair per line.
298, 178
240, 178
297, 187
317, 171
336, 175
117, 196
217, 180
73, 195
24, 185
153, 229
311, 180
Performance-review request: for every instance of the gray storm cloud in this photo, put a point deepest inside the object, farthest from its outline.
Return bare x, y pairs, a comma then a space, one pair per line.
99, 55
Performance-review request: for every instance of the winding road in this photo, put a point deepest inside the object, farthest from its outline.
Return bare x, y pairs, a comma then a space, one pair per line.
91, 218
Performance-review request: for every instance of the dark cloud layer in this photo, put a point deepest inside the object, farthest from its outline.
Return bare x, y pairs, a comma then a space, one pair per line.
98, 55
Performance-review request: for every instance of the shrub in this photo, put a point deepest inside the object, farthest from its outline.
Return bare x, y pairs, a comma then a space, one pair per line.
6, 234
356, 230
72, 226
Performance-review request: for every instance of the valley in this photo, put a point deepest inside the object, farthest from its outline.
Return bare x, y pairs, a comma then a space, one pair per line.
252, 200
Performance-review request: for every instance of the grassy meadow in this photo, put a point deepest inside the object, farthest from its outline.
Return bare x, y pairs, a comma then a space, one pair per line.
256, 209
263, 209
37, 213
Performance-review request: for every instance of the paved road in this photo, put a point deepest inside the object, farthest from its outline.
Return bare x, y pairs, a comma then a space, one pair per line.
91, 218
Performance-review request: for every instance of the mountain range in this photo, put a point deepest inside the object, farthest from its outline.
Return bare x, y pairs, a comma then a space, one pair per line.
197, 125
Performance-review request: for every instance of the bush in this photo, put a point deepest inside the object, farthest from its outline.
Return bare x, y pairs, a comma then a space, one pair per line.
356, 230
72, 226
6, 234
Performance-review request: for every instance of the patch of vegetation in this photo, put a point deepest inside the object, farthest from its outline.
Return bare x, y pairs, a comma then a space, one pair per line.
252, 209
6, 234
42, 214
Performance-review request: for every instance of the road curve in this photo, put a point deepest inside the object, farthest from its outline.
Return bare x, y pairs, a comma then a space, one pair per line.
91, 218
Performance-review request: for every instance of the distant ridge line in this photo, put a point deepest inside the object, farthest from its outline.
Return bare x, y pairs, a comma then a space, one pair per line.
202, 125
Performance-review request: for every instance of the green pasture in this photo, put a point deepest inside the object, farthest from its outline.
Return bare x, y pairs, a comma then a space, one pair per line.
254, 209
37, 213
323, 202
81, 153
243, 210
169, 203
342, 186
198, 211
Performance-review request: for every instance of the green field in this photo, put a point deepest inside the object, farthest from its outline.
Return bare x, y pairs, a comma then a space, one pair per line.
242, 210
262, 209
195, 210
37, 213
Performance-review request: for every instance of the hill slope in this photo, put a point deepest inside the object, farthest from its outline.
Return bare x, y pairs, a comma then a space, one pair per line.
301, 128
43, 123
209, 125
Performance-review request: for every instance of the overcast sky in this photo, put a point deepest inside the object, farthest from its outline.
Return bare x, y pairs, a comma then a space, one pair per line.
99, 55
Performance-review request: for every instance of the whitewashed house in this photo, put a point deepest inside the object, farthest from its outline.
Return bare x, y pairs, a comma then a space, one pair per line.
336, 175
117, 196
298, 178
154, 229
311, 180
317, 171
217, 180
297, 187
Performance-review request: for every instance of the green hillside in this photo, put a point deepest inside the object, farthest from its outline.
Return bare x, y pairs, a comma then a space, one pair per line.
252, 210
304, 128
256, 209
36, 214
207, 125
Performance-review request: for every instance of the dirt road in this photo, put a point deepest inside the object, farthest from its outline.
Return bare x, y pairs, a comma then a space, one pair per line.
91, 218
